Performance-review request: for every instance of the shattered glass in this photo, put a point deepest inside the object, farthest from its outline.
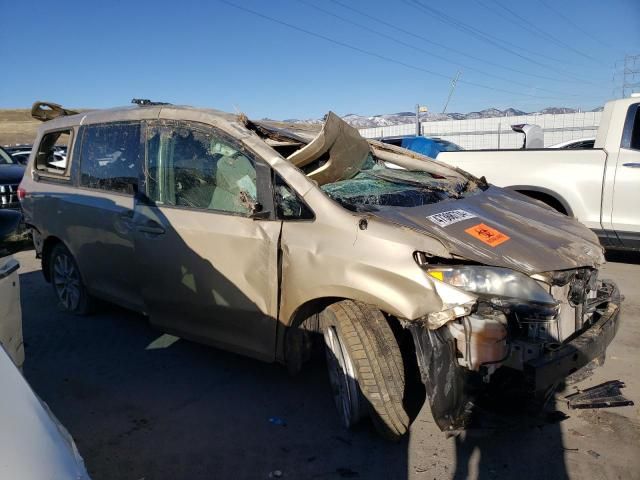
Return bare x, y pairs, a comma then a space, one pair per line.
380, 186
199, 168
109, 157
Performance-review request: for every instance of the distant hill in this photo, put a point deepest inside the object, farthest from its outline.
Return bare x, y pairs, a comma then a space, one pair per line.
17, 126
400, 118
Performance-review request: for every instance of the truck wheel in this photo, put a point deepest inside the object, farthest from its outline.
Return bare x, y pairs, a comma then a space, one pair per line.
67, 282
365, 367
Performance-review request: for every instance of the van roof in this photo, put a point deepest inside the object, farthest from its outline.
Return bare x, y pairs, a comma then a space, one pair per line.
144, 112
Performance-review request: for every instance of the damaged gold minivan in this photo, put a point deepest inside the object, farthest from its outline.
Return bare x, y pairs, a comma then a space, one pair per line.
258, 237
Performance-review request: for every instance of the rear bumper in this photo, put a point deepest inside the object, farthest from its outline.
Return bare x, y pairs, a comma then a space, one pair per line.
591, 343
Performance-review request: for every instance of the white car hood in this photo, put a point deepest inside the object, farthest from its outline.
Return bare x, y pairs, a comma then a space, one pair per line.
33, 443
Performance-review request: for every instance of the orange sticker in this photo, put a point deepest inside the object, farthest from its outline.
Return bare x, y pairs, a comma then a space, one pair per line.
486, 234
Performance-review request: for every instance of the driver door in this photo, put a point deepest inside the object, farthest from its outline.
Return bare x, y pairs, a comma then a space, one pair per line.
209, 266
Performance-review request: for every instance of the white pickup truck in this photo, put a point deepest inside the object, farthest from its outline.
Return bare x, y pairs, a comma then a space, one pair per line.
600, 187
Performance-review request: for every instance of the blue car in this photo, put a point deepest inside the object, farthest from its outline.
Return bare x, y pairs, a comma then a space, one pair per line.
428, 146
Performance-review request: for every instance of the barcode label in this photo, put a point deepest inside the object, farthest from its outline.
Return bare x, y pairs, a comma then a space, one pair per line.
443, 219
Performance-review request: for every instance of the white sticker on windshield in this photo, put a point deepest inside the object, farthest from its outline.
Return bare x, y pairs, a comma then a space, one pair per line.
443, 219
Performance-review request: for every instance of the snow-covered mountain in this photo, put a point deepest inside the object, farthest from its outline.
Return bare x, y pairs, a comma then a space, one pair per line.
384, 120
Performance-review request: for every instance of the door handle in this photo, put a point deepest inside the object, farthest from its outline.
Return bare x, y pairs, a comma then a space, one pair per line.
151, 227
126, 218
631, 164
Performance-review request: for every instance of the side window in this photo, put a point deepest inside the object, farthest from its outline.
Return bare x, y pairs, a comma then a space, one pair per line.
52, 153
110, 156
289, 206
199, 167
631, 133
635, 134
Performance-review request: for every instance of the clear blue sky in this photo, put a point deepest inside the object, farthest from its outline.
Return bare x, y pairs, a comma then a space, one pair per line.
101, 54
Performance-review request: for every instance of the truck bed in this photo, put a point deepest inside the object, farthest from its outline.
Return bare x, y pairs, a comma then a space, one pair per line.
575, 176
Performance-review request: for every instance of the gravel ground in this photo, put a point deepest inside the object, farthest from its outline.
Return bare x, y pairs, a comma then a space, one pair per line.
141, 406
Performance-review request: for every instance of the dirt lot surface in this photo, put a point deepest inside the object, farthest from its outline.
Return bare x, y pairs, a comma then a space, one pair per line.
143, 407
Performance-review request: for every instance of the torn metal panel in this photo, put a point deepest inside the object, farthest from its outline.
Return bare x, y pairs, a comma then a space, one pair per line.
337, 153
416, 162
45, 111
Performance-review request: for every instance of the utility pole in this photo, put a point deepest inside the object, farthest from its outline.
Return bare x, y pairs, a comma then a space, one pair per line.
630, 73
454, 82
419, 109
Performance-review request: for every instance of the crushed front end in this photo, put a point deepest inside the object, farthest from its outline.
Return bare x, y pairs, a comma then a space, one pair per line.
542, 327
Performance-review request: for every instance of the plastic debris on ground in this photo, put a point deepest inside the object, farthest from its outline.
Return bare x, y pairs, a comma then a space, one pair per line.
604, 395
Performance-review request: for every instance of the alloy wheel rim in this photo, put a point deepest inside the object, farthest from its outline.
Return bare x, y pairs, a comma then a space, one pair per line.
67, 281
342, 378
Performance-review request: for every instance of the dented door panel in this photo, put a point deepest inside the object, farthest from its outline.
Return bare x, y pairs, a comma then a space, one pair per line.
210, 277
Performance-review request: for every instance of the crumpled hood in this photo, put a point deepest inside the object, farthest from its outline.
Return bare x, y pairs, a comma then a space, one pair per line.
502, 228
11, 174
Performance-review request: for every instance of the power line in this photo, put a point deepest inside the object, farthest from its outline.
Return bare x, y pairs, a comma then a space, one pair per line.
446, 47
426, 52
372, 54
495, 41
575, 25
541, 33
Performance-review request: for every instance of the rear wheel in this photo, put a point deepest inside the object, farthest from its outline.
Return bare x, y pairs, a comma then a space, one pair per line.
67, 282
365, 367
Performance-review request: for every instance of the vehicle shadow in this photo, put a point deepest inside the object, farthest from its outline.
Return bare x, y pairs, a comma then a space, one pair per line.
508, 441
141, 404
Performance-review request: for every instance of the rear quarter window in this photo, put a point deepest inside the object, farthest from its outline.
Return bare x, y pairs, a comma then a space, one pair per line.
51, 156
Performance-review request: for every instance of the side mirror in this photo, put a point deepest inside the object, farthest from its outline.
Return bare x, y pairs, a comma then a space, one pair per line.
259, 213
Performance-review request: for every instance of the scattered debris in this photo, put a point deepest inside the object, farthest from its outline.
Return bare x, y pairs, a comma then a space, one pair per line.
278, 421
593, 454
604, 395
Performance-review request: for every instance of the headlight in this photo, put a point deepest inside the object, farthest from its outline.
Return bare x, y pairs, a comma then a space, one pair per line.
493, 282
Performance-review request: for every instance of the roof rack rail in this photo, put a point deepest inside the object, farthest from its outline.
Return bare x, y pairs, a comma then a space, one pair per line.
45, 111
144, 102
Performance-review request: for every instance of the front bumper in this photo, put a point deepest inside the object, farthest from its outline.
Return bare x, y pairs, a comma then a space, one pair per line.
557, 364
451, 388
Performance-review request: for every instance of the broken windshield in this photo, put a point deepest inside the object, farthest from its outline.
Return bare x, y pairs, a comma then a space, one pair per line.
376, 185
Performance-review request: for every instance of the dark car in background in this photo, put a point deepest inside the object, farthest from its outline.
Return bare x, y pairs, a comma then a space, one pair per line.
11, 173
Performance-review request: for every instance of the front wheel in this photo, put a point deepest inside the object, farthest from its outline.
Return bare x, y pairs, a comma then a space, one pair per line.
67, 282
365, 367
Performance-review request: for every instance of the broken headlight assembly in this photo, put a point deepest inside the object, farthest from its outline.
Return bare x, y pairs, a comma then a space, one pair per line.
500, 286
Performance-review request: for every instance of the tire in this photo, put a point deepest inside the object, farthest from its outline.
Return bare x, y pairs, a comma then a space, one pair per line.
365, 367
67, 282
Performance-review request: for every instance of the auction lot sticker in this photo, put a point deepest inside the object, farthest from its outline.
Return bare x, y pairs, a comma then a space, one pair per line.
450, 217
488, 235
